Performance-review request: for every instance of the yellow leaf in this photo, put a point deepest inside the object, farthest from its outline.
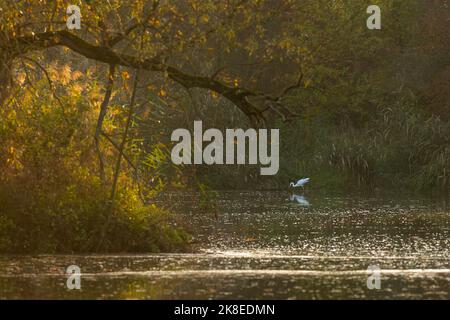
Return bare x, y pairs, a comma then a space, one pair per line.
205, 18
65, 74
125, 75
76, 75
214, 94
21, 77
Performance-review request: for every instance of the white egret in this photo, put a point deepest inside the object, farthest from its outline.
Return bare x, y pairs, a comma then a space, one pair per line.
300, 183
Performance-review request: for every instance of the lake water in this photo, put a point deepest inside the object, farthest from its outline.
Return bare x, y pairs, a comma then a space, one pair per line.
266, 245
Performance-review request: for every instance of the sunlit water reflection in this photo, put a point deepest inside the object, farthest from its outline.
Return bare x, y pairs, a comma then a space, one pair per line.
265, 245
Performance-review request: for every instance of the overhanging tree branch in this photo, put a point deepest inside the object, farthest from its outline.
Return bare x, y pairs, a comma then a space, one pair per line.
236, 95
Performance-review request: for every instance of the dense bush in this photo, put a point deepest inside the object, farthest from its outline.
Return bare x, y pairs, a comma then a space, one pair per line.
77, 216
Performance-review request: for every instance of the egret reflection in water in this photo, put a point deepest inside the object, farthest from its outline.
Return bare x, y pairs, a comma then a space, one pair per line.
300, 199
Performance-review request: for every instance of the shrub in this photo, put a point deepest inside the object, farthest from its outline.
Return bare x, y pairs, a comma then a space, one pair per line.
78, 217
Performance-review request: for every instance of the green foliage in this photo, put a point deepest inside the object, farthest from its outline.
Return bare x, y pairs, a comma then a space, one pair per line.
401, 147
77, 216
208, 197
369, 119
51, 197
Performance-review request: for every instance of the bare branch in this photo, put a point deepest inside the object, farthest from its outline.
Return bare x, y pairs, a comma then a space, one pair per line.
101, 117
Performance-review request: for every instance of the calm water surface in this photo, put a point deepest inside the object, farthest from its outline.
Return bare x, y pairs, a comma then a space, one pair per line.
266, 245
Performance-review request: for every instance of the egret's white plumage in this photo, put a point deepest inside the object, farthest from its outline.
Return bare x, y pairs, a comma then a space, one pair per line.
300, 183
